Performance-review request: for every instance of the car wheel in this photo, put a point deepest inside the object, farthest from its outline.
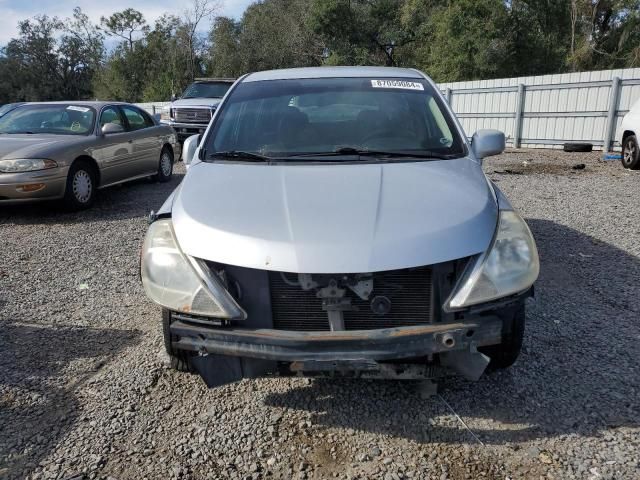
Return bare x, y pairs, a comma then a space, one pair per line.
81, 186
505, 354
180, 359
165, 166
631, 153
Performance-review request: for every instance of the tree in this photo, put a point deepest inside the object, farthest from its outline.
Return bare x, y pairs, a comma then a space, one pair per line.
51, 59
225, 55
362, 32
193, 17
126, 25
123, 76
466, 40
277, 34
604, 34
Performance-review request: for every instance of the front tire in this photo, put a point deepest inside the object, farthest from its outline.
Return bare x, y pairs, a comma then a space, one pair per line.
180, 359
81, 186
165, 166
631, 153
506, 353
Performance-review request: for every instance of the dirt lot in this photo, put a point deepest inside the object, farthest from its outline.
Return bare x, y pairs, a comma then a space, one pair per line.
84, 392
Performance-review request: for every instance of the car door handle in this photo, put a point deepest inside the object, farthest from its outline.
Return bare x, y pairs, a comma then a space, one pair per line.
129, 141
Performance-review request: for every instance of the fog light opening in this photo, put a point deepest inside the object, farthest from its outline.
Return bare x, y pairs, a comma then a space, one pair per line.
470, 333
30, 187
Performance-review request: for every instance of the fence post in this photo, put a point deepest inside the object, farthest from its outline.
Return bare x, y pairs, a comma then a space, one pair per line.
517, 121
448, 94
153, 109
610, 132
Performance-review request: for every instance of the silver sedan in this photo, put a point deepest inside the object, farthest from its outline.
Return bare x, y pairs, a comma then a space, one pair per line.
68, 150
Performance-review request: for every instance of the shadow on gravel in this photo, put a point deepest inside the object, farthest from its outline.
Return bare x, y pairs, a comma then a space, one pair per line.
38, 400
578, 373
128, 200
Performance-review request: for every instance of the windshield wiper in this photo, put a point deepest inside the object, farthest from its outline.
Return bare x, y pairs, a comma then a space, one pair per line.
363, 152
239, 155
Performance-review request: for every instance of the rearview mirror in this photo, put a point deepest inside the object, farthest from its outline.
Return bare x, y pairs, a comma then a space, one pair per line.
486, 143
189, 148
111, 128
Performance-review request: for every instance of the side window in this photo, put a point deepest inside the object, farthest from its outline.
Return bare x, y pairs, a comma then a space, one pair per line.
110, 115
137, 120
446, 137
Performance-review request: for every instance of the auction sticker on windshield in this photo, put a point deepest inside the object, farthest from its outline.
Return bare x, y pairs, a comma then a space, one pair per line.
78, 109
403, 84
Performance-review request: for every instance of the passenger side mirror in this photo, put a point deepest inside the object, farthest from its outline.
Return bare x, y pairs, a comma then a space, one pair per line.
189, 148
486, 143
111, 128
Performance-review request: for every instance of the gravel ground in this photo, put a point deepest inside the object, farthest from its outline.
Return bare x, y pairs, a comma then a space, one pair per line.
84, 391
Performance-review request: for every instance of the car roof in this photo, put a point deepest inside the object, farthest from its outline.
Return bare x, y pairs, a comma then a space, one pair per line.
81, 103
333, 72
214, 80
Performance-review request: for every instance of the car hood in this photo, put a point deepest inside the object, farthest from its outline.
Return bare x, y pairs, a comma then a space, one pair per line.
196, 102
351, 218
33, 146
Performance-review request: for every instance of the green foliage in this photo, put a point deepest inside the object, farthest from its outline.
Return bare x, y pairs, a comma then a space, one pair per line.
450, 39
51, 59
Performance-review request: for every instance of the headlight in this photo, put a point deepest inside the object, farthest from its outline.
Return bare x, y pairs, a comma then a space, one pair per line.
166, 114
179, 283
510, 265
26, 165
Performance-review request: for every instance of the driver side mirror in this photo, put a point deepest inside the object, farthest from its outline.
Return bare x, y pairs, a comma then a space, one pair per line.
189, 149
486, 143
111, 128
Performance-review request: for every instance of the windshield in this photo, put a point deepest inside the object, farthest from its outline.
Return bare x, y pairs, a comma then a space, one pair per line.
207, 90
60, 119
280, 118
5, 108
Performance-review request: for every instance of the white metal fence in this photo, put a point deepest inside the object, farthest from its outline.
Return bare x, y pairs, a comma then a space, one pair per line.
154, 108
547, 111
542, 111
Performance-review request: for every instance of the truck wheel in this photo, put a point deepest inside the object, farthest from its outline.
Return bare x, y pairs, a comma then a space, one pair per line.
505, 354
631, 153
180, 359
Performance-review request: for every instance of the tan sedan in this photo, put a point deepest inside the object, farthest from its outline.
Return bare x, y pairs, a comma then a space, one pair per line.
68, 150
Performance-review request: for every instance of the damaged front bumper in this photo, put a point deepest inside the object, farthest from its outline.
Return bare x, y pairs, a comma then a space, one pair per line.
225, 354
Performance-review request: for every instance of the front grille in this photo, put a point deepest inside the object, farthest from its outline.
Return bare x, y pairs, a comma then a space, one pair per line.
409, 290
192, 115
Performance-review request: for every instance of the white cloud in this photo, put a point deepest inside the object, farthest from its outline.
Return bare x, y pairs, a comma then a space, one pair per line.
13, 11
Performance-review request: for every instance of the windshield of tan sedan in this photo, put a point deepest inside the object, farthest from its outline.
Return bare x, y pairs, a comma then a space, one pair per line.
54, 119
280, 118
207, 90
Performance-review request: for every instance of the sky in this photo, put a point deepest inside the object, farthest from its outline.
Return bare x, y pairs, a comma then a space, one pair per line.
13, 11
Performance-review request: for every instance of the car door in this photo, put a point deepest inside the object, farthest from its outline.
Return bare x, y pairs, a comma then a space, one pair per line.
114, 151
147, 144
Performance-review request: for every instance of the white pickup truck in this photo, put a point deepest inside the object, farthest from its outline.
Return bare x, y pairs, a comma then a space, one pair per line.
628, 133
190, 114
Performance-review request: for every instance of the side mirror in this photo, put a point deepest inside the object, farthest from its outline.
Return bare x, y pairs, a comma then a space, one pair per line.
486, 143
189, 148
111, 128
